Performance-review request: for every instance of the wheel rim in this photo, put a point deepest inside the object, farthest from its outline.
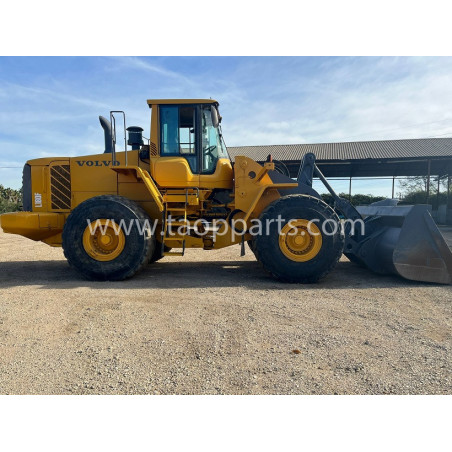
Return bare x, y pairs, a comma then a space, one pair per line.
300, 240
103, 240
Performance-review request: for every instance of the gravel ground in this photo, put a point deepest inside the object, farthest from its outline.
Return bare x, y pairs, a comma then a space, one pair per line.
214, 323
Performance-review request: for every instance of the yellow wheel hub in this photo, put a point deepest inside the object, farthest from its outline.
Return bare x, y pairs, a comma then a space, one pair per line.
300, 240
103, 240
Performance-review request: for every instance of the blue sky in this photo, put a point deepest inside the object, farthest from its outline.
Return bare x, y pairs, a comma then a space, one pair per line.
49, 106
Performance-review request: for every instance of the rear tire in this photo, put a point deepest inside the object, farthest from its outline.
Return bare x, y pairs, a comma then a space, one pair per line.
309, 261
157, 254
87, 252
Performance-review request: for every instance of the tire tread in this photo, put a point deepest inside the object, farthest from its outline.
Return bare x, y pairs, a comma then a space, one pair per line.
289, 201
68, 248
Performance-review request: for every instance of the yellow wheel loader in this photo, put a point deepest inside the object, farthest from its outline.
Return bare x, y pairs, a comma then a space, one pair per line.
116, 212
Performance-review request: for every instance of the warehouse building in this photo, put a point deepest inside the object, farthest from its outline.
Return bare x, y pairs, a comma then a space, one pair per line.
392, 159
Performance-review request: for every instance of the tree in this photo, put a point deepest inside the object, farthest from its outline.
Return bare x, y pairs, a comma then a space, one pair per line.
10, 199
414, 184
357, 200
414, 191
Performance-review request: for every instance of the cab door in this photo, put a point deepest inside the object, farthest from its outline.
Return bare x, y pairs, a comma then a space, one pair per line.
179, 163
192, 152
216, 169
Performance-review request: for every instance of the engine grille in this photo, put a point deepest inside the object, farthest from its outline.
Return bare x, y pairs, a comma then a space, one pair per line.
60, 187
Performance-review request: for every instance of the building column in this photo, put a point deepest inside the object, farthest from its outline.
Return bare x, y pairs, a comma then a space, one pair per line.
448, 191
437, 193
350, 189
393, 182
428, 182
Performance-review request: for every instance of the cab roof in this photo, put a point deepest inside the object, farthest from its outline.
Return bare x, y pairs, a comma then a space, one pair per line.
180, 101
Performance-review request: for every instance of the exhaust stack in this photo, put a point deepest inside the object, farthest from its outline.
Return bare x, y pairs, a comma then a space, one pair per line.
106, 125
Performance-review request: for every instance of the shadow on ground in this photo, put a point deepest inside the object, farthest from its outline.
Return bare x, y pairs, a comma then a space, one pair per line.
57, 274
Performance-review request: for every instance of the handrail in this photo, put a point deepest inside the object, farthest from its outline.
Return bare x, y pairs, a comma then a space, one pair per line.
113, 134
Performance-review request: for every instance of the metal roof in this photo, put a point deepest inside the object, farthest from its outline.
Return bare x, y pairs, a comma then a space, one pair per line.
180, 101
362, 158
356, 150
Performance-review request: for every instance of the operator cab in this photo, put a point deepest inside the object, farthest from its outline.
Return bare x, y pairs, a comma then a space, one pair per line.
192, 131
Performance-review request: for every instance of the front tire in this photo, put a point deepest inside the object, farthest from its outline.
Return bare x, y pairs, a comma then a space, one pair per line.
252, 247
108, 238
308, 243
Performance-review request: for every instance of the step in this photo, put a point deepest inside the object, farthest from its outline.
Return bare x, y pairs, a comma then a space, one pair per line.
181, 198
175, 209
173, 253
172, 239
178, 223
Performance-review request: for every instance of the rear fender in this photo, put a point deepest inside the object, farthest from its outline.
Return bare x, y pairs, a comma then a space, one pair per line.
33, 225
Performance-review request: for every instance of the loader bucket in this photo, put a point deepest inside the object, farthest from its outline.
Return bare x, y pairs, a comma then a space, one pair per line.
401, 240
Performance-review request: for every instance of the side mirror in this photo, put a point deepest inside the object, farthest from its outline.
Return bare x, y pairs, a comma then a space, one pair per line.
214, 115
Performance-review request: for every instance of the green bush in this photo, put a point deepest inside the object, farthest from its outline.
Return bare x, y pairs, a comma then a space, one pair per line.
357, 200
420, 197
10, 200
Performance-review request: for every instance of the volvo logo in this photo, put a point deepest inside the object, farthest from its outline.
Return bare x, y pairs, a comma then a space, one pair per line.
97, 163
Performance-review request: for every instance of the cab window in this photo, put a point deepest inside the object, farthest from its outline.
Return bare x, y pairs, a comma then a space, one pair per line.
212, 145
177, 133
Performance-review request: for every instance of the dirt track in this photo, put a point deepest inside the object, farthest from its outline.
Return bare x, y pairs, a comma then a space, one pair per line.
213, 322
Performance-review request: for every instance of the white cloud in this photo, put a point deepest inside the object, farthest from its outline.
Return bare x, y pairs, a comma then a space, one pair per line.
140, 64
32, 93
349, 99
